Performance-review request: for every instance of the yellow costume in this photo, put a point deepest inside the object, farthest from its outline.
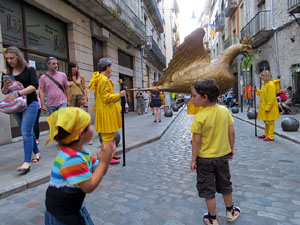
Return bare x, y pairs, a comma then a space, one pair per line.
192, 109
71, 119
268, 107
107, 109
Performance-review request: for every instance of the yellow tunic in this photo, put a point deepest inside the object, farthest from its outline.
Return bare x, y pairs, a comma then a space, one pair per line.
192, 109
107, 109
268, 106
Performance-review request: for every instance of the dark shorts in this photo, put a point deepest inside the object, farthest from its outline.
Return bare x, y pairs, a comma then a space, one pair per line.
213, 176
156, 102
249, 101
289, 104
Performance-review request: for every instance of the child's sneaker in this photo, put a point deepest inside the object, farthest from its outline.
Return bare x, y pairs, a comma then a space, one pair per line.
208, 220
233, 213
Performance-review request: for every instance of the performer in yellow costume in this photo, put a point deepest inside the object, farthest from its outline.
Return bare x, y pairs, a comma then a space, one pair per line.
107, 109
268, 106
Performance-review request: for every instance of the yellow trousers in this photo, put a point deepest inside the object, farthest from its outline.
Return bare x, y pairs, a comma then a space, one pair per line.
269, 128
107, 137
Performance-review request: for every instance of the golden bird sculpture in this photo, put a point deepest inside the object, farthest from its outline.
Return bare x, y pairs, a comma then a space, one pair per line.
191, 62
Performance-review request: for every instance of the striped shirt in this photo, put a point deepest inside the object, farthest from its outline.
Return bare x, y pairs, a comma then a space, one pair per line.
72, 167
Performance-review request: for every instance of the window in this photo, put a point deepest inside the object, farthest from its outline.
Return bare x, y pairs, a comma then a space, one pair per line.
125, 60
45, 35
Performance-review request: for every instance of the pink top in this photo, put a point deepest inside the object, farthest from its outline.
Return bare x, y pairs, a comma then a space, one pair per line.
55, 96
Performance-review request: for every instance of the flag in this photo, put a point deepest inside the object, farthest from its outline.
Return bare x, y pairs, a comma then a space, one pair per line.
213, 31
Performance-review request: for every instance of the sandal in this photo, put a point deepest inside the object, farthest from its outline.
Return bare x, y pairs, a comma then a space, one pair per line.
231, 213
23, 170
208, 220
36, 159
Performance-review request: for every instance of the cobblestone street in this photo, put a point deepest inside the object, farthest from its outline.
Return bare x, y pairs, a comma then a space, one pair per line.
157, 186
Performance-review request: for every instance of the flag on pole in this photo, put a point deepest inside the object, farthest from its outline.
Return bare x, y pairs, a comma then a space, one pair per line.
213, 31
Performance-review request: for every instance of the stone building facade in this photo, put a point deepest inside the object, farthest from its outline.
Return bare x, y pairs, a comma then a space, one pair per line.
275, 32
129, 32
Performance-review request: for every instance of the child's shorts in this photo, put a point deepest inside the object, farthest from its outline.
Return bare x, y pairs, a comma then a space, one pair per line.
213, 176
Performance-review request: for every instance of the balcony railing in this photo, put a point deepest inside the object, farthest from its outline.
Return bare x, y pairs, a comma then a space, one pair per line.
220, 22
294, 6
259, 28
153, 47
120, 9
230, 41
230, 7
155, 14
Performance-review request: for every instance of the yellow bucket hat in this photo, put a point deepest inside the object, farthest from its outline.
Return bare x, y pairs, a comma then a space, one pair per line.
71, 119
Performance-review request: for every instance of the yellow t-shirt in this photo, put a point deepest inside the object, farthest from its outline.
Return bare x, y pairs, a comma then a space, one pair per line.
212, 124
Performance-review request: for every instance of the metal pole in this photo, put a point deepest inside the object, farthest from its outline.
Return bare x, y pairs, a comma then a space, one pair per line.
255, 113
123, 123
142, 64
276, 40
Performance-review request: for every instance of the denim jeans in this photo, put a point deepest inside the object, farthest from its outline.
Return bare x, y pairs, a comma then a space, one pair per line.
26, 121
36, 127
52, 109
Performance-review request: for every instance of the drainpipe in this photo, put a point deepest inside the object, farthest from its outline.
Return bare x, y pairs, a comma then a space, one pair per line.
142, 63
276, 40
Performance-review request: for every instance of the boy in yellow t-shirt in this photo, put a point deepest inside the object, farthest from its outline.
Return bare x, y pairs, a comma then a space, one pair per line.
212, 147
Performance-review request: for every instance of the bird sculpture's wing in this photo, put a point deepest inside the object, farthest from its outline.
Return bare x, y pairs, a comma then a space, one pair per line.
190, 51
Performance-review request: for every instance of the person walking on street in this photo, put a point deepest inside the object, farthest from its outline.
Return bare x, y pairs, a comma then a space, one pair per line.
146, 95
212, 147
19, 70
268, 106
107, 109
140, 102
156, 105
248, 95
54, 85
76, 83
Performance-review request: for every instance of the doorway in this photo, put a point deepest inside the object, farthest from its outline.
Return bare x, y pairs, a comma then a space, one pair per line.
128, 85
97, 52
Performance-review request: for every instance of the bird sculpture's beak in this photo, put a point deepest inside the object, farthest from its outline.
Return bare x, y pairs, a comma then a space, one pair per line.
247, 49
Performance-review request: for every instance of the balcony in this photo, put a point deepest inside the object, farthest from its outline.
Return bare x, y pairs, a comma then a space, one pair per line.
220, 22
154, 54
113, 15
155, 14
230, 7
227, 43
259, 28
232, 40
294, 6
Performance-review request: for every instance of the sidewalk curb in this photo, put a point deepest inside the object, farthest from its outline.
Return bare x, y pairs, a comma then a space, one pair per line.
45, 177
275, 132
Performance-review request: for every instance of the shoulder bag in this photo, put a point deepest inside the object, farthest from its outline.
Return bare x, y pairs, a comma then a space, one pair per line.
56, 82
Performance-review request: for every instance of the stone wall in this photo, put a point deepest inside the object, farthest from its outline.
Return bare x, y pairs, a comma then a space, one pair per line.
5, 134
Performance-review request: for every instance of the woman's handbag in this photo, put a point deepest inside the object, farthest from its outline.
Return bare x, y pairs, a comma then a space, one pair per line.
19, 104
151, 104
